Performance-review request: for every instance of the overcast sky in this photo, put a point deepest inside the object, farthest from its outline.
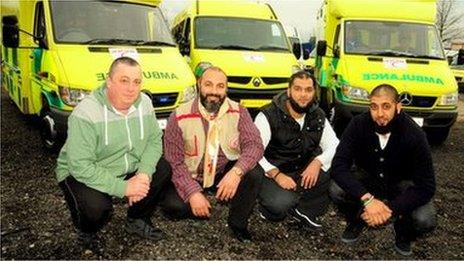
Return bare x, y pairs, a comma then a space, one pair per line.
298, 13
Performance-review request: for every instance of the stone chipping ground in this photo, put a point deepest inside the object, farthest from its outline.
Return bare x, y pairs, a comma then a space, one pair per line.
35, 223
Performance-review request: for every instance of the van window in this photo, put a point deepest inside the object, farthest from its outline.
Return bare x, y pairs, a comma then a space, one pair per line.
397, 39
239, 34
108, 23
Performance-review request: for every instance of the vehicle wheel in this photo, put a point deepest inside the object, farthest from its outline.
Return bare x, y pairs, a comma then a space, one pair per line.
339, 121
437, 136
48, 132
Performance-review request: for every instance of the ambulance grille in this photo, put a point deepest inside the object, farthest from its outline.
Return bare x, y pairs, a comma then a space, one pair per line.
162, 99
239, 79
274, 80
422, 101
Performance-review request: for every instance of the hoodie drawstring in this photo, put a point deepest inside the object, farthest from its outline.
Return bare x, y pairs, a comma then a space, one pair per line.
141, 121
106, 125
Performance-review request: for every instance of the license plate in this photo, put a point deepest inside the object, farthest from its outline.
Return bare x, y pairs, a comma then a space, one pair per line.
419, 121
162, 123
254, 103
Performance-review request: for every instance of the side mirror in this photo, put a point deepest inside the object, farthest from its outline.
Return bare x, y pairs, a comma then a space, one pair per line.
10, 31
460, 57
184, 47
336, 51
296, 50
321, 48
305, 54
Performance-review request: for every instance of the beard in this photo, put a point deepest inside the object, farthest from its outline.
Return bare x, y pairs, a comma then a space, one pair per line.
387, 128
297, 108
211, 107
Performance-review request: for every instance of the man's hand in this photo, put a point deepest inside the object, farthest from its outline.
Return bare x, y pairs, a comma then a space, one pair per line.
376, 213
228, 185
285, 181
134, 199
138, 186
200, 205
311, 174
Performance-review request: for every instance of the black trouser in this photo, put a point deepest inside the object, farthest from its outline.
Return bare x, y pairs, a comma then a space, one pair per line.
407, 226
241, 205
312, 202
92, 209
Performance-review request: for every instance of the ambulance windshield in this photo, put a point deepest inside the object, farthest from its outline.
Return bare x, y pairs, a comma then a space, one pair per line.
240, 34
396, 39
98, 22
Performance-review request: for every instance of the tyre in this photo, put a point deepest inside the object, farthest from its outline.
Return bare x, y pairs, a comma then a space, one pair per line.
48, 133
437, 136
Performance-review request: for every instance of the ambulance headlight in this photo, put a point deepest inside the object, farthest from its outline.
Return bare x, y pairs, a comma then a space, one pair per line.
190, 92
72, 97
449, 99
355, 93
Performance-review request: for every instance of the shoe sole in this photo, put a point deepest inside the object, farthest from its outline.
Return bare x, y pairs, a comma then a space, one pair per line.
402, 252
312, 223
349, 241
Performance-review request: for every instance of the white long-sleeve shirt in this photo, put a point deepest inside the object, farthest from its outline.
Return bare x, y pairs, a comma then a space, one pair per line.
328, 143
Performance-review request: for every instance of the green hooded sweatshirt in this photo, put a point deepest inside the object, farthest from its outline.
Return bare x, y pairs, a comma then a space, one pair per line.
104, 145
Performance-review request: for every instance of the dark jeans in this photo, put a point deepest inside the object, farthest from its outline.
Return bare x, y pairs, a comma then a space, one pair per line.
276, 201
407, 227
92, 209
241, 205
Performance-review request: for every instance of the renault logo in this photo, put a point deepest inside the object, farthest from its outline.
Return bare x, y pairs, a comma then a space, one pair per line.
406, 98
256, 82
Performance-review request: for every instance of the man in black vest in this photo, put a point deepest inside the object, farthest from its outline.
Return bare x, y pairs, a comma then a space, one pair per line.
392, 178
299, 145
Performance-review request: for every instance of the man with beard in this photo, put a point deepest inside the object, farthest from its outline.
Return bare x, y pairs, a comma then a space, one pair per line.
392, 178
212, 144
299, 145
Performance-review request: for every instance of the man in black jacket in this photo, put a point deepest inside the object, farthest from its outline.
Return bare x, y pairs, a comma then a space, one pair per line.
299, 146
392, 178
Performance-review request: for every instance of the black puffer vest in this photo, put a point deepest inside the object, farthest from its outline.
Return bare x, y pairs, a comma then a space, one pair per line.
291, 148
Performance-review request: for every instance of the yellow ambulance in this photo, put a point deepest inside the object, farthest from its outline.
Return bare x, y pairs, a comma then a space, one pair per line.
365, 43
245, 39
55, 52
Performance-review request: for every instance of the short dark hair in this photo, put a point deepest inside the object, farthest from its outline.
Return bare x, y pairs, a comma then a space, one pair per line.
122, 60
385, 89
302, 75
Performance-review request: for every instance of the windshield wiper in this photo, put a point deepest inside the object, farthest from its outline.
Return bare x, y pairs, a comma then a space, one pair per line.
111, 41
272, 47
423, 56
233, 47
154, 43
391, 53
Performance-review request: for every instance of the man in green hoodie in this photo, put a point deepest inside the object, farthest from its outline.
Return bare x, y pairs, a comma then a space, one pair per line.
113, 149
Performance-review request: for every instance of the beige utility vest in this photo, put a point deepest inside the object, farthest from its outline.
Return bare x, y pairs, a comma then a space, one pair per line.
194, 136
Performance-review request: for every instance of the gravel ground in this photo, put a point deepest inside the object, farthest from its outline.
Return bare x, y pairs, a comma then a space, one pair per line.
35, 223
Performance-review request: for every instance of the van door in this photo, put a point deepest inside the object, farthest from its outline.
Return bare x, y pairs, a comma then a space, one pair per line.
36, 56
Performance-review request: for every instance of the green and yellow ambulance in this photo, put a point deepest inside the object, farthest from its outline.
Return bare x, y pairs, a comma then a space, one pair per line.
245, 39
55, 52
365, 43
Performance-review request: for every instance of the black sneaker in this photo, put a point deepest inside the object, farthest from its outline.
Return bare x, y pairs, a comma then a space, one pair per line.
89, 241
144, 229
312, 222
352, 232
403, 247
241, 234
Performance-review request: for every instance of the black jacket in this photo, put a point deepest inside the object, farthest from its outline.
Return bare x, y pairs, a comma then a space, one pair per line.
406, 157
290, 148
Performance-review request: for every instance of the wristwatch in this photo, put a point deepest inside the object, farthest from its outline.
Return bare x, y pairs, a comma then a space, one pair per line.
237, 171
